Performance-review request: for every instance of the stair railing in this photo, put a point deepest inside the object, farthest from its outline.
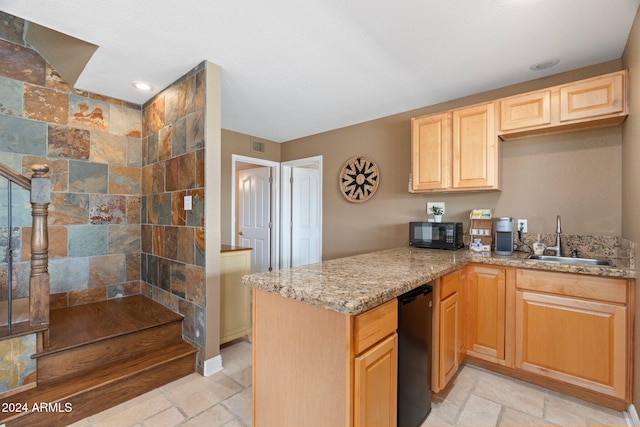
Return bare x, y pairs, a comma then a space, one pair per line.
39, 186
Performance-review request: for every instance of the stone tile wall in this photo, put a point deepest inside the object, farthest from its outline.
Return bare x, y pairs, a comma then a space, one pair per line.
17, 368
173, 271
119, 173
93, 146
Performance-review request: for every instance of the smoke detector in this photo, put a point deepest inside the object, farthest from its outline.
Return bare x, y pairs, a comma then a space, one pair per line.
543, 65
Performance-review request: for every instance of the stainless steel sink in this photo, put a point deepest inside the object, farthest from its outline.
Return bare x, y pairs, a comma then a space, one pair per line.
569, 260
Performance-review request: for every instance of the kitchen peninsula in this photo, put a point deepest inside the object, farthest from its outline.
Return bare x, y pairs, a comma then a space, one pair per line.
325, 334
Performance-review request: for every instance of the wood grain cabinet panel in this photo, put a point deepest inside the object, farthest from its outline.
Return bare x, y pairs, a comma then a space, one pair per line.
594, 97
596, 102
455, 150
449, 348
522, 111
576, 341
430, 152
375, 402
486, 322
475, 155
313, 366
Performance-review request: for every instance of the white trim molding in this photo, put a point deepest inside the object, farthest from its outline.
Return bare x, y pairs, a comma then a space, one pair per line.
631, 416
213, 365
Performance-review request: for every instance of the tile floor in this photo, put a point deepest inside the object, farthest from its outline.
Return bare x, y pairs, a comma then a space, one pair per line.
484, 398
478, 398
222, 399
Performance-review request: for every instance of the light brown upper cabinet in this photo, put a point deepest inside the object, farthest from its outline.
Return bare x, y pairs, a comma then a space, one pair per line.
524, 111
431, 151
597, 97
455, 150
595, 102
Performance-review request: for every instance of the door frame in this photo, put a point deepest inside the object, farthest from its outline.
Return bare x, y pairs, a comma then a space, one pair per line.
275, 202
286, 168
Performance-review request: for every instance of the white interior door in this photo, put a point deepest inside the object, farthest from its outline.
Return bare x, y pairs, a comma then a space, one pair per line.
254, 215
305, 216
301, 212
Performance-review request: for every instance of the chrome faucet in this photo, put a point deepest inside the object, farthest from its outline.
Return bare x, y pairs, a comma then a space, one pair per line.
556, 248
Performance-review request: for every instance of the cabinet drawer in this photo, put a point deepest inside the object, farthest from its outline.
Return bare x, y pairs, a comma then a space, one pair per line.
607, 289
375, 324
449, 284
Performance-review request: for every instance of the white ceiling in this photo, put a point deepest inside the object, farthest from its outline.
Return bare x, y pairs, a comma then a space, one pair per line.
292, 68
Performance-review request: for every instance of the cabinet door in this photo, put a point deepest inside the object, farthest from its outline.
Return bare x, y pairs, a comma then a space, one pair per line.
523, 111
375, 385
448, 345
599, 96
486, 315
235, 298
430, 152
475, 148
576, 341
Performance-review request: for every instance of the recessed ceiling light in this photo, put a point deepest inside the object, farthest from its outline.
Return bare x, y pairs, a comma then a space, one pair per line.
543, 65
142, 86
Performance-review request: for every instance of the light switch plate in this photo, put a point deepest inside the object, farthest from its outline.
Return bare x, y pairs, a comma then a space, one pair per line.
188, 203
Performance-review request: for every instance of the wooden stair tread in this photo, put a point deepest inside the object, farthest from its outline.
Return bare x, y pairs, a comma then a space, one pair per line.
74, 326
70, 386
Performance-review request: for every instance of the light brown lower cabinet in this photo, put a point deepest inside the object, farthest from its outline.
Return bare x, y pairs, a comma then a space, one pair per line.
563, 334
317, 367
571, 332
376, 384
449, 330
486, 287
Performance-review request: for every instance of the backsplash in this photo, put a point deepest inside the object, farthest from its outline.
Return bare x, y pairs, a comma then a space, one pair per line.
617, 249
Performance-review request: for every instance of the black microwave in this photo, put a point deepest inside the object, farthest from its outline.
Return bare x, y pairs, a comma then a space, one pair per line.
436, 235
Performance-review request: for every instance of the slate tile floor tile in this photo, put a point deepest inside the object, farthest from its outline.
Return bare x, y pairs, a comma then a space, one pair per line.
478, 398
483, 398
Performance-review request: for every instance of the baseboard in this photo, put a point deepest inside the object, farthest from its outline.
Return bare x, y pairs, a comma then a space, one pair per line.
213, 365
632, 416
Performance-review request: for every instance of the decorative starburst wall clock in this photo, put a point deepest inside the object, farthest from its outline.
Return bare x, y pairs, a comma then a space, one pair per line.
359, 179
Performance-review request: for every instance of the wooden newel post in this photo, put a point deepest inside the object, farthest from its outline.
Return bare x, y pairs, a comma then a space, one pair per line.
39, 278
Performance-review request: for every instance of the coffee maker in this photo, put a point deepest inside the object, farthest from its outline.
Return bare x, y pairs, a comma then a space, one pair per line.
504, 236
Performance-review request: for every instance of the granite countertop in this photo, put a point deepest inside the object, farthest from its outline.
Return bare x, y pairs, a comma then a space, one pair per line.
355, 284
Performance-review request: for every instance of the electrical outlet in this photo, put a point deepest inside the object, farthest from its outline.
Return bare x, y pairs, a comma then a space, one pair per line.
430, 204
188, 205
522, 225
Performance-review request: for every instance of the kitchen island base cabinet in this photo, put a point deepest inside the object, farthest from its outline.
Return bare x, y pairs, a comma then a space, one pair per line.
318, 367
376, 384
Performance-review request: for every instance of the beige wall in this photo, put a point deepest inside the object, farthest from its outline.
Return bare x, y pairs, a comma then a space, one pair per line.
238, 143
631, 171
568, 174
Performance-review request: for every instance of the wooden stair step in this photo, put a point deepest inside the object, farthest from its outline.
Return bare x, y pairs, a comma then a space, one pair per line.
77, 359
78, 325
101, 388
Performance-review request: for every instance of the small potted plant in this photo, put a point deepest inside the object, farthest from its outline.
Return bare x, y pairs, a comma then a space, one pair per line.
437, 213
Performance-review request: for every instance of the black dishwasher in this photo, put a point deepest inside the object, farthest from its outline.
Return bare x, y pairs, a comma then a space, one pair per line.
415, 310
